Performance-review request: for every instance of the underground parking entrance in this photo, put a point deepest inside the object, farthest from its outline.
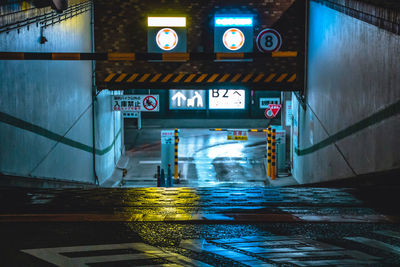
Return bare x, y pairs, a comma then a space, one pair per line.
222, 138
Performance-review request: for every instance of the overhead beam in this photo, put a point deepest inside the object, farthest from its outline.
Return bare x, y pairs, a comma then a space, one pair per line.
166, 57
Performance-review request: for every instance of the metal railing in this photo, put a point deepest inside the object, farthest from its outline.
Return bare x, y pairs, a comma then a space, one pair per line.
42, 17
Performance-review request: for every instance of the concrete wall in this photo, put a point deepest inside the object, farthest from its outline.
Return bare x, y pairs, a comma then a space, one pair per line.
46, 107
351, 121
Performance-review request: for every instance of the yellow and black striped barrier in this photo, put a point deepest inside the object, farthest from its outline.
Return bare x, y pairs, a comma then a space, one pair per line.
200, 78
269, 151
273, 155
176, 171
248, 130
142, 56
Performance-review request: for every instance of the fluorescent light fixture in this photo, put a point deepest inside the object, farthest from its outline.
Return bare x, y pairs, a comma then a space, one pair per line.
233, 21
166, 21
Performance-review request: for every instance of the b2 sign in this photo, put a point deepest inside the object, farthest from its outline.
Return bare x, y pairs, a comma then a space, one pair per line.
226, 99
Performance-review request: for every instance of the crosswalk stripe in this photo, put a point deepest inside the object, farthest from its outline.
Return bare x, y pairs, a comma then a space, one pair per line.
375, 244
58, 256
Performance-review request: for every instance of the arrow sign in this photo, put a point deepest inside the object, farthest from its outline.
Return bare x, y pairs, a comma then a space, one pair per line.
274, 108
179, 96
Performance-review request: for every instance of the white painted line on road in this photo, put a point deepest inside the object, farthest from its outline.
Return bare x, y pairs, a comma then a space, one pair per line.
375, 244
54, 255
389, 233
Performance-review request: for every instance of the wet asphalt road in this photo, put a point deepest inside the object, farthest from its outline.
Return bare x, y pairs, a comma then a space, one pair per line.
226, 214
206, 158
200, 227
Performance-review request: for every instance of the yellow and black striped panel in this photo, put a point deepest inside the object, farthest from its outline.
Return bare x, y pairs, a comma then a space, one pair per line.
248, 130
200, 78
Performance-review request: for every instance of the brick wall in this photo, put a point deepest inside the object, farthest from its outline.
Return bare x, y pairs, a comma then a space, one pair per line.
121, 26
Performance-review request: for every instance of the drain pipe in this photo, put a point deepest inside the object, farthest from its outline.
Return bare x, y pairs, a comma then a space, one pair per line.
94, 94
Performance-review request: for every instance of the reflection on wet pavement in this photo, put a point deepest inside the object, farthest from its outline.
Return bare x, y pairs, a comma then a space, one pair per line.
205, 159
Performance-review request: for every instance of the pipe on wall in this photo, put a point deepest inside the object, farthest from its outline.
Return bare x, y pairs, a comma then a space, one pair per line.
94, 94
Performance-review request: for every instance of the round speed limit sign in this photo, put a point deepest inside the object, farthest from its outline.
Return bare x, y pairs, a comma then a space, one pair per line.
269, 40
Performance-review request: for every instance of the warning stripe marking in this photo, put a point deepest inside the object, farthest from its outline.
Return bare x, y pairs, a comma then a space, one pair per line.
236, 77
121, 77
200, 77
66, 56
178, 78
166, 78
212, 78
190, 78
247, 77
132, 78
293, 78
258, 78
109, 77
283, 76
155, 78
223, 79
144, 77
270, 77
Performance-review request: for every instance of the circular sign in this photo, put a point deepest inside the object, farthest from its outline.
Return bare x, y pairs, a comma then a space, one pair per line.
167, 39
233, 39
269, 40
269, 114
150, 102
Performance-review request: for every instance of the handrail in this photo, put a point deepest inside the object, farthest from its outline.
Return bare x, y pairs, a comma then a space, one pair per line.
72, 11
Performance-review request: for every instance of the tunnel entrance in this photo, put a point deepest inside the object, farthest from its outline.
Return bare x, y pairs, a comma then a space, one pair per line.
206, 157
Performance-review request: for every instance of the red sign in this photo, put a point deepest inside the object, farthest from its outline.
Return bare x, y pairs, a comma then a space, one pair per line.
150, 102
272, 110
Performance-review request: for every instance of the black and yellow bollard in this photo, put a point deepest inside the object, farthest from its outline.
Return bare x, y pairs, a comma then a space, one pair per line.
273, 158
269, 151
176, 173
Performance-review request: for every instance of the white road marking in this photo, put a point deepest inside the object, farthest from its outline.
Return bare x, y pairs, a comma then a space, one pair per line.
376, 244
53, 255
389, 233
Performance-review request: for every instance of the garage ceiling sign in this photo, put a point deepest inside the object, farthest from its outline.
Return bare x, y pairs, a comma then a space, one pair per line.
226, 99
166, 34
233, 33
187, 99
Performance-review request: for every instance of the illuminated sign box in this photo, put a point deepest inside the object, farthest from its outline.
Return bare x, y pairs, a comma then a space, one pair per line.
187, 99
166, 22
226, 99
166, 34
233, 34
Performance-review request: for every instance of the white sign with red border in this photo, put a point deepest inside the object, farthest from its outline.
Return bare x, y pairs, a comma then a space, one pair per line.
240, 135
269, 40
272, 110
147, 103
